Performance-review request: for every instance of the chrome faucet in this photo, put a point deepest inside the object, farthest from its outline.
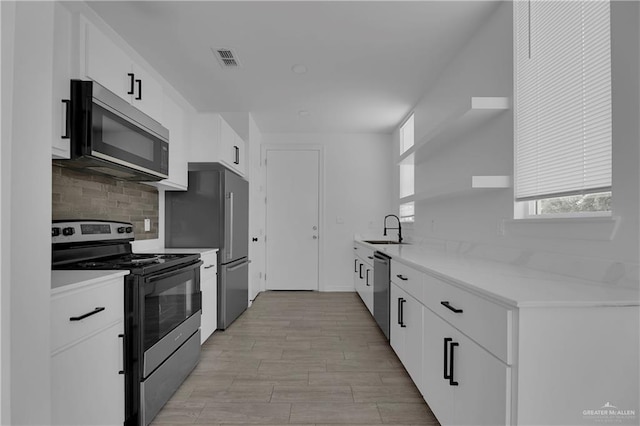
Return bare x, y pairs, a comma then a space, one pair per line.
399, 228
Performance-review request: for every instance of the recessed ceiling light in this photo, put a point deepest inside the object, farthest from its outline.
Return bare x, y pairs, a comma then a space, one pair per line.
304, 113
299, 69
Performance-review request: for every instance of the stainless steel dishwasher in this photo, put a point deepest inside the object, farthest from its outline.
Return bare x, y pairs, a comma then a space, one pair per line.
381, 278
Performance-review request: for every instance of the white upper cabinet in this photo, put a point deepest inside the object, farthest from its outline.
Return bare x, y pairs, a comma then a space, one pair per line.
60, 147
106, 63
175, 119
214, 140
231, 148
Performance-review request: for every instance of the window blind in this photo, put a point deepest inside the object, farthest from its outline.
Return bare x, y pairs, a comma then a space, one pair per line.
563, 98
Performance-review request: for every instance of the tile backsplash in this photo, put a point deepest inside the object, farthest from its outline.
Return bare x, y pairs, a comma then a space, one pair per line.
79, 195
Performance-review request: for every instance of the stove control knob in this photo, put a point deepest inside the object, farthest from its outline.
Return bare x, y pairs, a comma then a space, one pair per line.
68, 231
129, 229
121, 230
55, 231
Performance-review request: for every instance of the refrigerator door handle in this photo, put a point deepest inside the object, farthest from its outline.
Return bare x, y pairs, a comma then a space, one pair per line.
230, 221
238, 266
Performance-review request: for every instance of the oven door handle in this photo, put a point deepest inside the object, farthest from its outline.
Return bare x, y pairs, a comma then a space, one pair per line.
174, 272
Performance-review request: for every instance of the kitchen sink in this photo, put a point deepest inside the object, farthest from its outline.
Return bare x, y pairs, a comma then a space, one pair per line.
381, 242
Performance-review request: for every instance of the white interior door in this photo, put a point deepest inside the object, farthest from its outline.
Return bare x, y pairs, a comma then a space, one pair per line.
292, 219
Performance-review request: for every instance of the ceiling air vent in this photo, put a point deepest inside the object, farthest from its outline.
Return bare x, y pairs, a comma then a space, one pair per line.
226, 57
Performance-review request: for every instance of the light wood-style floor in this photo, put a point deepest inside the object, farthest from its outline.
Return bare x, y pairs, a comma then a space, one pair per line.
303, 358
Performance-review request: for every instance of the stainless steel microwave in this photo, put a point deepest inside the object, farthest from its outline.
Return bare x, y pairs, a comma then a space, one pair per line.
110, 136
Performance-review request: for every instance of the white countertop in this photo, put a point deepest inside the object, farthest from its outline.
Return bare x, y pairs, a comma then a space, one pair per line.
61, 279
513, 285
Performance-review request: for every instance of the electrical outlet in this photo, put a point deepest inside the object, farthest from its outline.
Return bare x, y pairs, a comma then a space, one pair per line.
147, 225
501, 227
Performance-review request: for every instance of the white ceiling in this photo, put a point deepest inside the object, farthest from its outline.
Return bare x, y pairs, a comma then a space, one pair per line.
369, 62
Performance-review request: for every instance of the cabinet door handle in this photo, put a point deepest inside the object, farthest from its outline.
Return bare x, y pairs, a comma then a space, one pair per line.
400, 311
237, 155
132, 77
209, 266
451, 381
67, 119
355, 266
139, 97
402, 324
367, 277
445, 357
121, 336
88, 314
360, 273
446, 304
402, 277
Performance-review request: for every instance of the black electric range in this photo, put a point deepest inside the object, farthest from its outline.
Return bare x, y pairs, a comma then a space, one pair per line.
162, 308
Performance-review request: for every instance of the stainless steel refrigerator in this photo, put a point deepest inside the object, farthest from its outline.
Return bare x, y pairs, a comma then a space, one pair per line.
214, 212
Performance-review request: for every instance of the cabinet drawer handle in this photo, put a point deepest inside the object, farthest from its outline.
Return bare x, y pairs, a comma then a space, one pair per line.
451, 308
139, 97
67, 119
451, 381
402, 277
88, 314
209, 266
370, 257
131, 83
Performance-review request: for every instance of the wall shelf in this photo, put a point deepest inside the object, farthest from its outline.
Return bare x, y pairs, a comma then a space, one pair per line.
460, 187
479, 110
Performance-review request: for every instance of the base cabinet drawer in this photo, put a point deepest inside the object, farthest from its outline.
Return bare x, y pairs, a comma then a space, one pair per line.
486, 322
410, 280
79, 312
462, 383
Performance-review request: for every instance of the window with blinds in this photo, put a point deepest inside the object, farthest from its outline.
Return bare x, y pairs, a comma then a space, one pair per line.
407, 171
562, 100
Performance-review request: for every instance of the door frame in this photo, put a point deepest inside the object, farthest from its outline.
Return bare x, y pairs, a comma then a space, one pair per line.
321, 219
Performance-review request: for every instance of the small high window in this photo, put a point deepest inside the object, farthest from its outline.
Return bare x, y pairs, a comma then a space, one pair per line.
406, 171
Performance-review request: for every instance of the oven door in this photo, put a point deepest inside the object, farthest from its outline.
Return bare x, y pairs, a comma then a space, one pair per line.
170, 308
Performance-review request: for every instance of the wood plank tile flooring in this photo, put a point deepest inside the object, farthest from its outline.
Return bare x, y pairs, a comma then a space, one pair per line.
304, 358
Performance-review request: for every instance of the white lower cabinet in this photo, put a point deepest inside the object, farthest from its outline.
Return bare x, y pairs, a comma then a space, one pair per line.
405, 330
87, 354
462, 383
209, 289
87, 388
363, 275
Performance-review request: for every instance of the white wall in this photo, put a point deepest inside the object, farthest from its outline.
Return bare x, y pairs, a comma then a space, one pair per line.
29, 198
357, 192
485, 68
